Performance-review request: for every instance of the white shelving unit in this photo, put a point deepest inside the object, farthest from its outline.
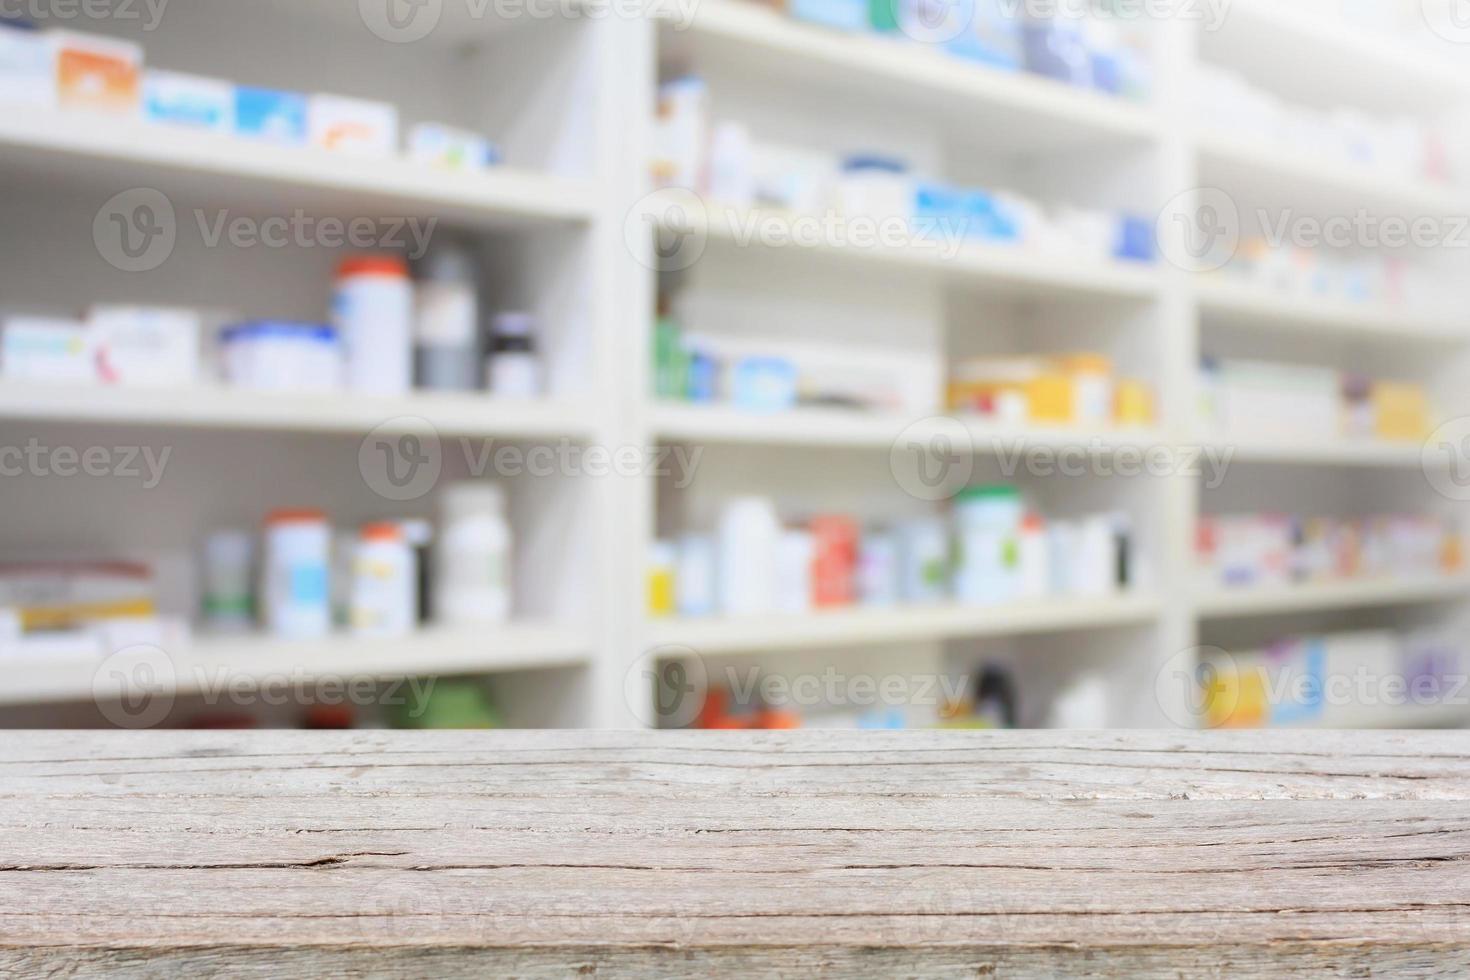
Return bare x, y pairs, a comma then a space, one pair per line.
252, 660
233, 409
571, 99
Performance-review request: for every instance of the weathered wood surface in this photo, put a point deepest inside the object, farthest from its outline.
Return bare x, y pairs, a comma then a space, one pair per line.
684, 855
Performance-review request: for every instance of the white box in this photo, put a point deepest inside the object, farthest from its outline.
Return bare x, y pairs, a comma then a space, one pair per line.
354, 126
444, 146
47, 349
27, 67
142, 345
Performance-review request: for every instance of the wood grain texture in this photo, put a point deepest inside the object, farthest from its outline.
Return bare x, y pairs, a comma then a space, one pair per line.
795, 854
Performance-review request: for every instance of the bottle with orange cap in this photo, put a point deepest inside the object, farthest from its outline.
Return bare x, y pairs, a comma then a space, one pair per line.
372, 308
384, 582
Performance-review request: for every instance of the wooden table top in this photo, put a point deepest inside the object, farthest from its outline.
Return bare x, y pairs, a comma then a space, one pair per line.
800, 854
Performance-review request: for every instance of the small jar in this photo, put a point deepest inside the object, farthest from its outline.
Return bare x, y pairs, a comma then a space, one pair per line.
515, 368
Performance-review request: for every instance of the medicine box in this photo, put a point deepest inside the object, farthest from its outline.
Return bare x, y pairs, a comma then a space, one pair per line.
97, 73
355, 126
139, 345
456, 149
46, 349
1278, 401
27, 67
179, 99
270, 115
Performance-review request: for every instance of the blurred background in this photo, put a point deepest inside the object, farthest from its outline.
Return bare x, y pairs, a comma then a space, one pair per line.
724, 364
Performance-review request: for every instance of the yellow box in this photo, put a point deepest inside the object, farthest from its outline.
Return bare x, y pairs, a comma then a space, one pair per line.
1052, 399
1400, 412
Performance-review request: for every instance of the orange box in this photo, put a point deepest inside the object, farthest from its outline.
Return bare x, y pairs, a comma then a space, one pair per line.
97, 72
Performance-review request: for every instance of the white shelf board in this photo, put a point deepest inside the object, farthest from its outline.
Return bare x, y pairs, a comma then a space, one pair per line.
1247, 305
120, 152
1016, 111
915, 624
817, 427
236, 409
1330, 452
209, 661
1394, 717
1239, 603
997, 267
1334, 58
1259, 172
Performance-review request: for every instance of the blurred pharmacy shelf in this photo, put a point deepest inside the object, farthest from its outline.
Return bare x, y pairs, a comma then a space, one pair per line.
238, 409
206, 662
1326, 452
818, 427
122, 152
1358, 63
1243, 305
1395, 717
874, 627
1223, 603
1017, 112
1000, 268
1290, 180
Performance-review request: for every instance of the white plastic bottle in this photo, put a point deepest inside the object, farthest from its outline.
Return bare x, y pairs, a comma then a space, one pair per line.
384, 583
749, 542
373, 309
472, 556
298, 601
